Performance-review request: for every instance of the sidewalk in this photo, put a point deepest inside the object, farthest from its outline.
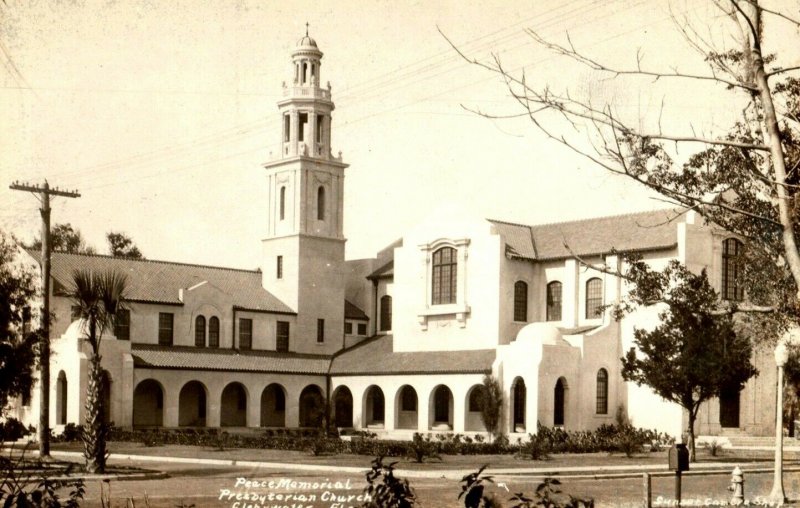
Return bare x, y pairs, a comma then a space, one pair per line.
574, 472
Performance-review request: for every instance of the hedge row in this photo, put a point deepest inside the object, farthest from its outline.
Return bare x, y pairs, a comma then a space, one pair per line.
607, 438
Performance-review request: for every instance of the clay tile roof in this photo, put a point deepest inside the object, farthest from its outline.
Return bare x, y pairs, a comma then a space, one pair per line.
352, 311
518, 239
375, 357
160, 281
631, 232
178, 357
386, 271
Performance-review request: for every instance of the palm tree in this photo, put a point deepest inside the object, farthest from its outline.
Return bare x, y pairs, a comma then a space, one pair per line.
98, 298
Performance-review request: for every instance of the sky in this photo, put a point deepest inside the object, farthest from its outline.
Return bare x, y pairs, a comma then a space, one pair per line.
161, 114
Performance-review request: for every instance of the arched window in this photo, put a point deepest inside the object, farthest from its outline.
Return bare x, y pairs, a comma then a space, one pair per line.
594, 298
283, 203
200, 331
213, 332
386, 313
321, 203
602, 392
732, 270
554, 301
520, 301
445, 267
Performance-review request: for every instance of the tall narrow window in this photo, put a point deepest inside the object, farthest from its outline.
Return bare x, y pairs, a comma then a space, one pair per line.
594, 298
122, 324
200, 331
282, 205
245, 333
279, 267
554, 301
165, 320
286, 125
321, 203
732, 270
520, 301
320, 331
213, 332
386, 313
602, 392
445, 266
302, 127
320, 120
282, 336
305, 73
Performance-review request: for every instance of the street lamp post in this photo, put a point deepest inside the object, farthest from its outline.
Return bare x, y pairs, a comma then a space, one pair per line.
778, 496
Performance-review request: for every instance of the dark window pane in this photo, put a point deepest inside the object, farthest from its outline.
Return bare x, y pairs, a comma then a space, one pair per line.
409, 399
554, 301
213, 332
386, 313
602, 392
279, 267
122, 324
320, 330
362, 328
444, 276
732, 270
282, 336
348, 328
520, 301
245, 333
594, 298
200, 331
165, 320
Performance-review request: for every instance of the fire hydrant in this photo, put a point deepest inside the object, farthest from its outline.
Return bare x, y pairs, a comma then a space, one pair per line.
737, 486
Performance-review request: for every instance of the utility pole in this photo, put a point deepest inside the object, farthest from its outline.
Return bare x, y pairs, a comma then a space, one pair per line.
44, 192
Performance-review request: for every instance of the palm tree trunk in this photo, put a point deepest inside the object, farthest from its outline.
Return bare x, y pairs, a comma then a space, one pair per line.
94, 443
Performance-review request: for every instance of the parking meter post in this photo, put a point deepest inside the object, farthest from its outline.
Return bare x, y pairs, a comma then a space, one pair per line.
678, 488
647, 491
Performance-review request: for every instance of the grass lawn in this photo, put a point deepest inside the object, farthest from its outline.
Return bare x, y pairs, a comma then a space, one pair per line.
459, 462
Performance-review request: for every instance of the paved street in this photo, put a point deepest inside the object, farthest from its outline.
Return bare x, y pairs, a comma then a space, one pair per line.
218, 486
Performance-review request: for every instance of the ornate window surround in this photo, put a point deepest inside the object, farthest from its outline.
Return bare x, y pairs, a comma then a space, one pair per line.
460, 309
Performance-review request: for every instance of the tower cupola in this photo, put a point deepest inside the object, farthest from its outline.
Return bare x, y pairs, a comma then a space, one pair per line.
306, 107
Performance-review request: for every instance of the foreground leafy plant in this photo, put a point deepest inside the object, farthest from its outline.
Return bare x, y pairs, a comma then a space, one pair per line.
386, 490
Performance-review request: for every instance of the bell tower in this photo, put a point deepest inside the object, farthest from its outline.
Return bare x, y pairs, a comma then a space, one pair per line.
304, 248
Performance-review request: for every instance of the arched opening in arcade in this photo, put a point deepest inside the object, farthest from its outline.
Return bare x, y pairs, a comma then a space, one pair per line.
406, 404
343, 407
273, 406
148, 404
374, 407
192, 405
233, 406
441, 411
312, 407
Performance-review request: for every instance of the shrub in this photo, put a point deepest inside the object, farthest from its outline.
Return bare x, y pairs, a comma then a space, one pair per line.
386, 490
549, 494
421, 448
472, 489
12, 430
714, 447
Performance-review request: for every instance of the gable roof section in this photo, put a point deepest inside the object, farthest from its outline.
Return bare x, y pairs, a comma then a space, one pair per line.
193, 358
160, 281
636, 232
375, 357
384, 272
352, 311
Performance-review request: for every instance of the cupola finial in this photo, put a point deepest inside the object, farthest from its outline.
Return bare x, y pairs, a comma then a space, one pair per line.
306, 28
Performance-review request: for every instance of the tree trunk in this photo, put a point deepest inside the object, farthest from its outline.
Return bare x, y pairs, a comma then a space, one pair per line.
691, 444
94, 430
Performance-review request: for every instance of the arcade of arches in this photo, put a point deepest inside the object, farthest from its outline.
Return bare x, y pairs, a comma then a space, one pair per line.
196, 403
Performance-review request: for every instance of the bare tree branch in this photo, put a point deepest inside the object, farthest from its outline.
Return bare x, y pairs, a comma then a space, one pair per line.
595, 65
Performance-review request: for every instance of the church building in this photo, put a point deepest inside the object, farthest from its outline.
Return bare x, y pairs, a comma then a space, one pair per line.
398, 343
